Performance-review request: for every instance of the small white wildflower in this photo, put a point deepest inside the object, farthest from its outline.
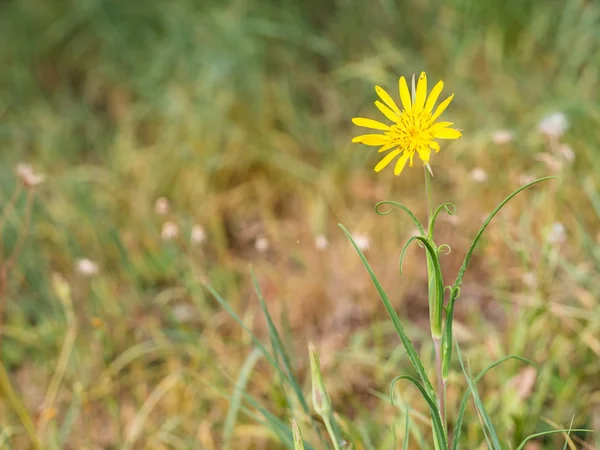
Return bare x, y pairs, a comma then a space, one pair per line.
557, 234
362, 241
321, 242
28, 177
86, 267
554, 125
567, 152
169, 231
183, 312
551, 162
479, 175
261, 244
501, 137
526, 179
198, 235
162, 206
524, 382
529, 279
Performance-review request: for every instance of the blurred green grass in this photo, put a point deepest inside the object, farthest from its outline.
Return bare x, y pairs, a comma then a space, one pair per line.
238, 112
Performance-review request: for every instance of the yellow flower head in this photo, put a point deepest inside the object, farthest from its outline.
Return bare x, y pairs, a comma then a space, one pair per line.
414, 128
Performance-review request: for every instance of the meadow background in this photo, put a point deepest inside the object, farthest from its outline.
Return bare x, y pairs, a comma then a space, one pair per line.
184, 141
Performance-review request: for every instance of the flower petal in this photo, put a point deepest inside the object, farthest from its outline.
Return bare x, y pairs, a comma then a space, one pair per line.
404, 94
435, 146
433, 96
448, 133
387, 146
370, 123
424, 154
387, 112
388, 159
387, 99
421, 93
372, 139
441, 108
438, 126
400, 164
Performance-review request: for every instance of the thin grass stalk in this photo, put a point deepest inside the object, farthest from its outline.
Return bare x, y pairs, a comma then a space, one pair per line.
16, 250
10, 206
7, 392
63, 291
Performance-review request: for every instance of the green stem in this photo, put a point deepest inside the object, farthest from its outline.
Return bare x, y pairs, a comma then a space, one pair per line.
441, 382
330, 430
428, 195
435, 306
7, 392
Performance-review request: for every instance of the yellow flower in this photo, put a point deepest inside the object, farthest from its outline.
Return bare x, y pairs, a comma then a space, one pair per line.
414, 129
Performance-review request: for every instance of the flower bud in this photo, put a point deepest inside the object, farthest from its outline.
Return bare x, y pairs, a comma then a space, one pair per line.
61, 288
298, 442
321, 401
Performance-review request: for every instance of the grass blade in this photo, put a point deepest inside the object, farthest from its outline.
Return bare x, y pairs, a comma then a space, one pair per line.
290, 380
280, 428
463, 403
279, 347
495, 444
236, 398
254, 410
544, 433
568, 434
265, 352
406, 431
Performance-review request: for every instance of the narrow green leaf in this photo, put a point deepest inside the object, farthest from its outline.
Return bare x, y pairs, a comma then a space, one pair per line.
447, 337
544, 433
568, 434
406, 431
278, 346
403, 208
291, 381
437, 301
465, 398
298, 441
436, 420
403, 252
406, 342
236, 398
488, 425
240, 322
278, 426
450, 209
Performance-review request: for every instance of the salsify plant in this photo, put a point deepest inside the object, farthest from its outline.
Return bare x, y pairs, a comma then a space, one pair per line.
413, 131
